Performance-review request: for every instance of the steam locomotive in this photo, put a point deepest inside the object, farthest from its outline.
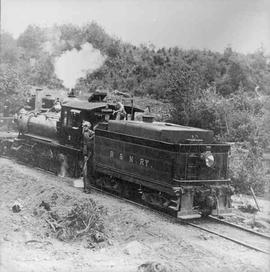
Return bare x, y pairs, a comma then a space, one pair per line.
172, 167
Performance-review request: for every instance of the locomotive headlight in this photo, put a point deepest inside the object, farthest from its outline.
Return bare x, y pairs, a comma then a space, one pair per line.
208, 158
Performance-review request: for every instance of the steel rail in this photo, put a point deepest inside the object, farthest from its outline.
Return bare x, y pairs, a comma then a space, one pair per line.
229, 238
189, 223
239, 227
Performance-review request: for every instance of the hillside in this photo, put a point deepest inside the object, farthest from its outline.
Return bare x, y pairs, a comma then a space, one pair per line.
226, 92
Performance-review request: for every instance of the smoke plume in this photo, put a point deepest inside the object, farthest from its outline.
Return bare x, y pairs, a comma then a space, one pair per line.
75, 64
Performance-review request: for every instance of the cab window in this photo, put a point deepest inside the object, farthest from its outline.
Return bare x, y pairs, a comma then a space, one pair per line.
74, 120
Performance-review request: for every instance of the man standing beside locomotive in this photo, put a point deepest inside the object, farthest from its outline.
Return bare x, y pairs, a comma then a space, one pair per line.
88, 148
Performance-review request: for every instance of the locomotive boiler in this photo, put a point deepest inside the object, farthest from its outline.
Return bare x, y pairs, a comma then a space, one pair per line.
38, 124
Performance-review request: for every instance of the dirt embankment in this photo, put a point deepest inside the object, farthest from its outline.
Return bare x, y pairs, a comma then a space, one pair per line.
132, 236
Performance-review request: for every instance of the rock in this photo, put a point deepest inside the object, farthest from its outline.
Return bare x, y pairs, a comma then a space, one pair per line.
261, 224
78, 183
153, 267
133, 248
45, 205
35, 212
6, 238
250, 222
90, 245
16, 208
54, 197
38, 212
205, 237
98, 237
248, 208
110, 242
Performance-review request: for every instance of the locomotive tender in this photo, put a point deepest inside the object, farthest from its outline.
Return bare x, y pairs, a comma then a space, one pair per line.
172, 167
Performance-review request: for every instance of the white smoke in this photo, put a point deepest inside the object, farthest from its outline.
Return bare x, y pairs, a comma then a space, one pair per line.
76, 63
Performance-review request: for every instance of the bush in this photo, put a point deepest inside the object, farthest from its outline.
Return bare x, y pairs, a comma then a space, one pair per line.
246, 168
82, 220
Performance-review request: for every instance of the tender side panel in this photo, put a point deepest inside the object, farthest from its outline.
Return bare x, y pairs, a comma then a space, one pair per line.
134, 161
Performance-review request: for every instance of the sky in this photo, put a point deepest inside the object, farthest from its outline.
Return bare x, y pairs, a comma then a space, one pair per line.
199, 24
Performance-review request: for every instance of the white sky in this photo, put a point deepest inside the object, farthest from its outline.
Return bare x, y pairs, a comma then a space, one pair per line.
202, 24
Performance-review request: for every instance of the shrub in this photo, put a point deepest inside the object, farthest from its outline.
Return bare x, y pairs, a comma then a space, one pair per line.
246, 168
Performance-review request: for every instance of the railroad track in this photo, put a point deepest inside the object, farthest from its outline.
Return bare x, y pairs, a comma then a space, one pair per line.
229, 231
232, 232
235, 233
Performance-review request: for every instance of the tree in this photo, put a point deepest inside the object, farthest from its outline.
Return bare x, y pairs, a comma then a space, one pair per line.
12, 86
72, 35
236, 75
9, 51
113, 49
183, 87
31, 40
43, 73
96, 35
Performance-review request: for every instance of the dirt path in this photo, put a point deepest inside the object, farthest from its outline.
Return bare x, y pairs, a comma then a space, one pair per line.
135, 236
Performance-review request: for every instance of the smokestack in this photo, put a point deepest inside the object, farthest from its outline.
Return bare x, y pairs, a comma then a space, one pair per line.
71, 93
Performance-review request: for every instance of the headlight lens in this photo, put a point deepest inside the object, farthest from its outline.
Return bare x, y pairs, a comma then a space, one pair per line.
209, 159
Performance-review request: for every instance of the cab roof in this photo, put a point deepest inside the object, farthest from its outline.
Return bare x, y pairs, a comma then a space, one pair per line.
83, 105
78, 104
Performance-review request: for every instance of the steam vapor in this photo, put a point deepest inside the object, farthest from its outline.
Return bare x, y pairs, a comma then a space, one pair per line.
74, 64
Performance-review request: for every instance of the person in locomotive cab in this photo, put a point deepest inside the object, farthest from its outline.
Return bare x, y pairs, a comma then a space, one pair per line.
120, 111
88, 149
57, 105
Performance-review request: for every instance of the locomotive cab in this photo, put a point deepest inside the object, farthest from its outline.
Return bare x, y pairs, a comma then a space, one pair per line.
75, 112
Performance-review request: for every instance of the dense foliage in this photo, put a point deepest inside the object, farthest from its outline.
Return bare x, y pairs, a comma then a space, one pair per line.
225, 92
